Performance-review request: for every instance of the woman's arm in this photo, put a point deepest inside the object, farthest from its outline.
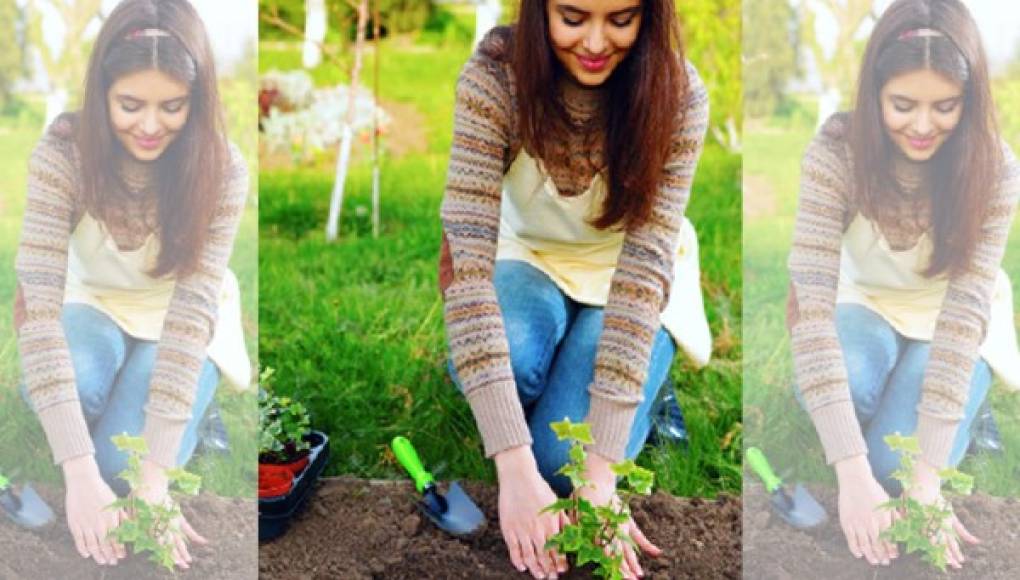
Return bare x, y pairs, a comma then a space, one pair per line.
962, 323
470, 214
189, 324
814, 276
640, 287
41, 268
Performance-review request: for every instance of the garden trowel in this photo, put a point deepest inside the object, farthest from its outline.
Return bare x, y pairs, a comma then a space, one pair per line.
799, 509
455, 512
26, 508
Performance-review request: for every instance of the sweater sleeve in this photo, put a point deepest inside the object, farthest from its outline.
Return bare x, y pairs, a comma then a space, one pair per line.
470, 214
41, 269
962, 324
189, 323
814, 260
640, 286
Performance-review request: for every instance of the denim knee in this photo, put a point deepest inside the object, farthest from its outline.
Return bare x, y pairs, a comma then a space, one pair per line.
112, 462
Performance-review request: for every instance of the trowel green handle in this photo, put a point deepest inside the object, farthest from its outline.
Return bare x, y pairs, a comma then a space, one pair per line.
408, 457
760, 465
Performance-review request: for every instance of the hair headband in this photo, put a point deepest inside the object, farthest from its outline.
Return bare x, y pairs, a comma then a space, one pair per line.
920, 33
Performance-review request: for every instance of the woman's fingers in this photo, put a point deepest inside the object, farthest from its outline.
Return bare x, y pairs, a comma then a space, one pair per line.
514, 547
92, 545
181, 553
953, 548
964, 533
544, 557
191, 534
852, 542
530, 559
632, 560
79, 541
646, 546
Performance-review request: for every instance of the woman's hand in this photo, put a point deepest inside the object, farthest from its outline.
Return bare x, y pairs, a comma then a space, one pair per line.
154, 489
926, 489
860, 513
522, 495
88, 518
603, 491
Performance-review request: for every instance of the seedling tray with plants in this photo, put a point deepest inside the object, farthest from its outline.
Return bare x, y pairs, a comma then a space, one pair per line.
275, 512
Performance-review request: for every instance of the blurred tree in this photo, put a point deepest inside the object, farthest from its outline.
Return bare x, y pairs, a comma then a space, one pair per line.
65, 65
838, 68
770, 54
711, 32
12, 60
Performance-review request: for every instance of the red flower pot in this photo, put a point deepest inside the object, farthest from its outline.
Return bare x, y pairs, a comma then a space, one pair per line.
274, 480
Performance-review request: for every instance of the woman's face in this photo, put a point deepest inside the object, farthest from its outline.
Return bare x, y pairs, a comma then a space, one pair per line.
591, 37
148, 109
920, 110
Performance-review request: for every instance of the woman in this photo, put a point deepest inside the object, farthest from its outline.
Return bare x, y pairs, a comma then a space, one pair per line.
129, 315
899, 311
570, 264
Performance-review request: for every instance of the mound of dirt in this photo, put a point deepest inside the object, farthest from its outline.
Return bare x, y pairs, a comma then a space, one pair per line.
230, 525
359, 529
773, 550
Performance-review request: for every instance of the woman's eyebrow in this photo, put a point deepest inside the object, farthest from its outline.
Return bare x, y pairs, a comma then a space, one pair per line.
626, 11
572, 9
902, 98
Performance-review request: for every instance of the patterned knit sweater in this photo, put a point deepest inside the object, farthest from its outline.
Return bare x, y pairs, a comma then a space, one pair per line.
825, 211
52, 211
485, 143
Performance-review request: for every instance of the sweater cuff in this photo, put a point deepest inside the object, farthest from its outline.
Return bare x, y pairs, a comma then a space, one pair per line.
611, 423
66, 431
936, 438
500, 417
163, 437
839, 431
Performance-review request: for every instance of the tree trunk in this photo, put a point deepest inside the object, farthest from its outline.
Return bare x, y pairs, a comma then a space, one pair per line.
344, 158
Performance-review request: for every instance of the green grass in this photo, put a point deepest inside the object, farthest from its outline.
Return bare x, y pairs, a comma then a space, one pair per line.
24, 452
355, 328
774, 420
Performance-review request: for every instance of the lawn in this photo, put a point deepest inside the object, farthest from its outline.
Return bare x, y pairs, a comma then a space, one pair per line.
355, 328
773, 419
24, 453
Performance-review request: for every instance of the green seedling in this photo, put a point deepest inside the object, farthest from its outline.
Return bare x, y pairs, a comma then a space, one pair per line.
594, 534
4, 482
150, 527
283, 424
923, 528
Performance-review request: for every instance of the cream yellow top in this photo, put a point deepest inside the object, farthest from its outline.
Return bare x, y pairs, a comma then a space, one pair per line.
552, 233
116, 282
891, 283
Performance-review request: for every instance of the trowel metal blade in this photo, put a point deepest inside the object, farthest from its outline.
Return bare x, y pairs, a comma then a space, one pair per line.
27, 509
455, 512
799, 509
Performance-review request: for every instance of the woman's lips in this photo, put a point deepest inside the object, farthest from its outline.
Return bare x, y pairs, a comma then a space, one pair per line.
591, 64
149, 143
921, 144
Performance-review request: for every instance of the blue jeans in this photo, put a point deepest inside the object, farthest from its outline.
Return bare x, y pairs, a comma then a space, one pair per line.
112, 371
553, 342
886, 372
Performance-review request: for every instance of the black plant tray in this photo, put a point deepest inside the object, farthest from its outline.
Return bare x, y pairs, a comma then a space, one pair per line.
276, 512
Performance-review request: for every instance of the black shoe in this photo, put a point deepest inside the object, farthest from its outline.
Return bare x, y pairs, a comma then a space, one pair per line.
668, 425
212, 433
984, 433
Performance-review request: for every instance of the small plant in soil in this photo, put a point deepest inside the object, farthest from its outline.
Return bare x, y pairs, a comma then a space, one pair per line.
594, 533
923, 528
284, 425
151, 527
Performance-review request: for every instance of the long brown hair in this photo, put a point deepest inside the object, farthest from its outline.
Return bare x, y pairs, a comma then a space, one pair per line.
642, 100
190, 172
964, 171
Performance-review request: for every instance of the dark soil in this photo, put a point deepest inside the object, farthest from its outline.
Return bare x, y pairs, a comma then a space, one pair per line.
773, 550
230, 525
358, 529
